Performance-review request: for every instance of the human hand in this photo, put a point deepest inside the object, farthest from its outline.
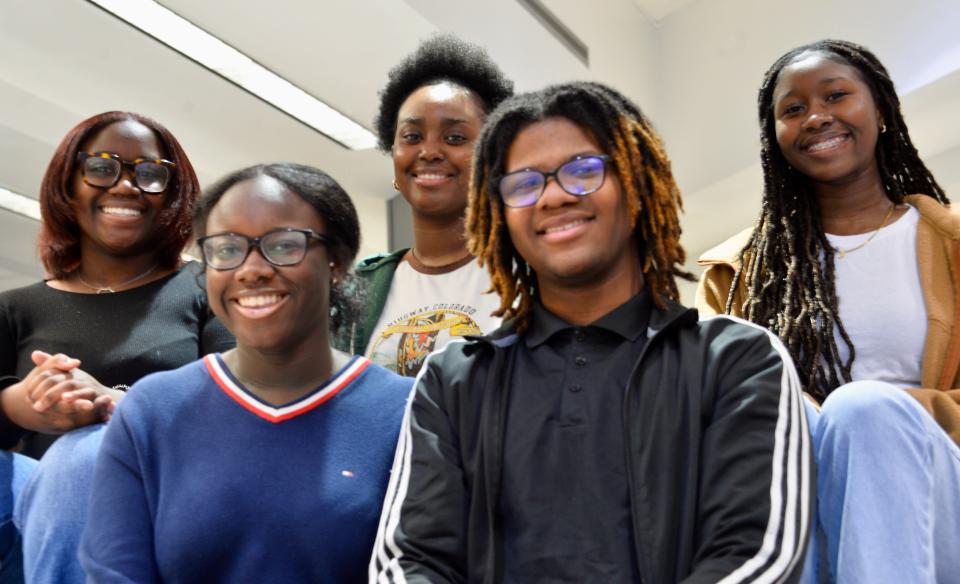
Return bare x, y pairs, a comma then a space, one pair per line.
63, 396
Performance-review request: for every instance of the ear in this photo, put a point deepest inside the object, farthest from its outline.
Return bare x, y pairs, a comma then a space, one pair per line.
336, 272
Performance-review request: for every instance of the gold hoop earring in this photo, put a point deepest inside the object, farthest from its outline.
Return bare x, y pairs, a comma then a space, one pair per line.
396, 187
883, 127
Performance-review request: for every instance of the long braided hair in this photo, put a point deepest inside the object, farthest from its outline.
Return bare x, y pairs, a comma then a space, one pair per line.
652, 197
788, 265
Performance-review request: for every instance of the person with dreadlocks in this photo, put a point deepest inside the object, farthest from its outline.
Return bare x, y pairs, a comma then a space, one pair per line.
603, 433
418, 299
855, 264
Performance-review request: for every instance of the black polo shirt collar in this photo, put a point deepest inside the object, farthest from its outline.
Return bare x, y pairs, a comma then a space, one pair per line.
629, 320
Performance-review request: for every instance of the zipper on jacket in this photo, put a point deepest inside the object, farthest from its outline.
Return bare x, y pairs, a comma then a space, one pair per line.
628, 460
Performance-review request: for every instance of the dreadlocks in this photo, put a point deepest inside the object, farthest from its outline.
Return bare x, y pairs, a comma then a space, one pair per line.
641, 165
788, 263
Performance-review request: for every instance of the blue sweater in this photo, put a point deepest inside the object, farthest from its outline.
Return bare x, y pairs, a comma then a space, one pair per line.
200, 481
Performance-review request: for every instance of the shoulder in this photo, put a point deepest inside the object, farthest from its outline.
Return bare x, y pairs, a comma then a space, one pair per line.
380, 261
728, 252
377, 393
734, 341
189, 277
945, 219
191, 269
465, 364
165, 390
26, 295
711, 336
385, 382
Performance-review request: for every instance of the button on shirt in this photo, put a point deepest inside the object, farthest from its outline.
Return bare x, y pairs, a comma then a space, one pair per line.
565, 506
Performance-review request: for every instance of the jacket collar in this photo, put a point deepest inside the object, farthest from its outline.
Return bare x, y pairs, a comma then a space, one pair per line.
629, 320
374, 262
728, 252
943, 218
661, 319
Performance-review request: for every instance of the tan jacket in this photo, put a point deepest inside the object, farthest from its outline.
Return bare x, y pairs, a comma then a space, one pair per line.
938, 260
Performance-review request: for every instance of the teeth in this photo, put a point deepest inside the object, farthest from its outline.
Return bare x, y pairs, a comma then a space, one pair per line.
826, 144
565, 226
431, 176
127, 211
258, 301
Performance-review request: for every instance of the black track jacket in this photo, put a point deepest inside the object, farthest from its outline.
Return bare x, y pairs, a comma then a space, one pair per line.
718, 459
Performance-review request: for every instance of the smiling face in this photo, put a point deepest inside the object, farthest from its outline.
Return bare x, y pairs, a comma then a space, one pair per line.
436, 129
277, 310
826, 120
570, 240
119, 220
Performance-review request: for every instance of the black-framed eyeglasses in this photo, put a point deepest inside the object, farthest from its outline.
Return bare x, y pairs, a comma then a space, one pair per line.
102, 170
286, 246
581, 176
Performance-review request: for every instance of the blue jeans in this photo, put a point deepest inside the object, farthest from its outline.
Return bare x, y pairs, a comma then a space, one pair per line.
888, 490
14, 472
52, 509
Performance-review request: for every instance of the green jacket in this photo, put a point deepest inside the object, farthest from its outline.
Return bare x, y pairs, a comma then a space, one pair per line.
376, 275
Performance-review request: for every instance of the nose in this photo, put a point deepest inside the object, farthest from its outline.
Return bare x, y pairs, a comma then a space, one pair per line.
817, 118
554, 196
431, 149
126, 183
254, 268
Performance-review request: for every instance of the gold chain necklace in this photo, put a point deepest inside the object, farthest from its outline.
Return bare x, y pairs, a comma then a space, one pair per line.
843, 252
108, 290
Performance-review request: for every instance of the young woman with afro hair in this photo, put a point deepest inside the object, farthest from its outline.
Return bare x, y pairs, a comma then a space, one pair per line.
418, 299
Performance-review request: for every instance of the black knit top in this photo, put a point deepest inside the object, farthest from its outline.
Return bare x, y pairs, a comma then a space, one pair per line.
118, 337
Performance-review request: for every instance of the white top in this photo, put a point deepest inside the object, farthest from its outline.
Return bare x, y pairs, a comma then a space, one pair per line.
881, 303
424, 312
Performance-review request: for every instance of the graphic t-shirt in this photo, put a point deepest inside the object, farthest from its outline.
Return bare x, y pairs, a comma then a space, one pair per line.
424, 312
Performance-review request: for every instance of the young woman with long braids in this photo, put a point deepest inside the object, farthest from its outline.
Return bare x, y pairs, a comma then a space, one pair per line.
855, 263
418, 299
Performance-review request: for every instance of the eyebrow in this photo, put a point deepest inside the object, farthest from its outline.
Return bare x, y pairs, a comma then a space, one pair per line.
569, 159
444, 121
826, 81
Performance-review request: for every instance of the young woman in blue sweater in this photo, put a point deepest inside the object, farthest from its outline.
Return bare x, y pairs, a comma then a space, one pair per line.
267, 463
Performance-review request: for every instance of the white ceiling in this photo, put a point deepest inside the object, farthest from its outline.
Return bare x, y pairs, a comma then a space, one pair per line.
692, 65
72, 60
657, 10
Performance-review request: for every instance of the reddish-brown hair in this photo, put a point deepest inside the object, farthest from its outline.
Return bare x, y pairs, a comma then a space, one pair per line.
59, 242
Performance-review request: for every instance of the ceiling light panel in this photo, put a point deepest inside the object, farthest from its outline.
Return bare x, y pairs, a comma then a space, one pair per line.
195, 43
19, 204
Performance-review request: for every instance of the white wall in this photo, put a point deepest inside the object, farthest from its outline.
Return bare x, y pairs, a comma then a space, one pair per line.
695, 72
713, 55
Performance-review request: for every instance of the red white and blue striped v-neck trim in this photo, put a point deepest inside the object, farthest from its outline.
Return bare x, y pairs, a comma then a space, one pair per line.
235, 390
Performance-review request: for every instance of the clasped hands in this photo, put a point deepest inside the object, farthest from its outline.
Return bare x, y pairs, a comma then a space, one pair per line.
57, 396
